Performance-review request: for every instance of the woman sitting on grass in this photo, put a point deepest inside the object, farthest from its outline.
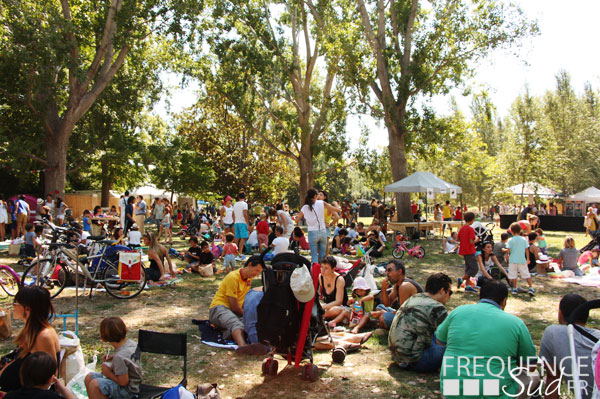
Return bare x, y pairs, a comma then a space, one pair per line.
157, 253
332, 289
568, 256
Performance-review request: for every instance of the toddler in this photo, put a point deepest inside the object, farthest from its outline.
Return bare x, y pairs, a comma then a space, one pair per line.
230, 252
361, 306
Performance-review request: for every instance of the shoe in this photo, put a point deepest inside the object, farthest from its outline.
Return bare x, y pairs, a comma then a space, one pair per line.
459, 282
531, 291
468, 288
515, 291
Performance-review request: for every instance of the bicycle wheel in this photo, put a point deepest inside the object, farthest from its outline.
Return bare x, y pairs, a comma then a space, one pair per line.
118, 288
9, 280
47, 274
398, 253
420, 253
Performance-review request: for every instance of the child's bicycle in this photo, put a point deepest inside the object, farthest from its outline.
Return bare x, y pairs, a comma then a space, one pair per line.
403, 245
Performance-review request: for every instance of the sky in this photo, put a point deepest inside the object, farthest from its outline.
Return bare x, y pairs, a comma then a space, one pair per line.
569, 31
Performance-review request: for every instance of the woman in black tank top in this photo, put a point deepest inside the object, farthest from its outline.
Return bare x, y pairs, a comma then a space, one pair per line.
332, 289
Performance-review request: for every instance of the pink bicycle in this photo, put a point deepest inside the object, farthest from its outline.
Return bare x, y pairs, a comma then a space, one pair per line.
9, 280
402, 246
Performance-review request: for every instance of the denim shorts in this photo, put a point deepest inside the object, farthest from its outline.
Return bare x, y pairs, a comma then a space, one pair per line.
111, 389
229, 261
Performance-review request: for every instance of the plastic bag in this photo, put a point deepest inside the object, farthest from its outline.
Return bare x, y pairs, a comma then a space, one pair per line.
77, 384
72, 361
367, 273
178, 392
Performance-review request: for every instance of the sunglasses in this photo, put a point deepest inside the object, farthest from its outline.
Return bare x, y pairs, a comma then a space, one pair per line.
449, 292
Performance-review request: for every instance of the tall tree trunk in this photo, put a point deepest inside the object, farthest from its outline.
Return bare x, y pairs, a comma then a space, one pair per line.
106, 183
397, 152
307, 176
56, 154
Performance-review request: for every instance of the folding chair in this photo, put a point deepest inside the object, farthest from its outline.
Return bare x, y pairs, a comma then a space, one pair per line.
162, 344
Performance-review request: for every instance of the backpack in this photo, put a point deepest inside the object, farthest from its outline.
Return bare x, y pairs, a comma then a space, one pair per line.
278, 313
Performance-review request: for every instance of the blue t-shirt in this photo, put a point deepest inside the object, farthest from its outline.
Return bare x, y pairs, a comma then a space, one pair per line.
87, 226
517, 245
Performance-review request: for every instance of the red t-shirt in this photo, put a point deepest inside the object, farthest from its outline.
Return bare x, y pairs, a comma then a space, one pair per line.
262, 227
465, 234
414, 208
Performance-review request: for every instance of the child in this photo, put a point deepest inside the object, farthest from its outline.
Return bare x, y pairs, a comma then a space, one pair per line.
192, 256
230, 252
568, 256
467, 239
118, 236
121, 372
31, 242
361, 304
501, 250
87, 223
450, 244
541, 240
166, 223
347, 247
336, 243
37, 375
134, 237
589, 258
280, 243
518, 258
299, 239
206, 258
262, 229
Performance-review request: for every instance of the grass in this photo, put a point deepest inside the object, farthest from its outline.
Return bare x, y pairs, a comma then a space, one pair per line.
368, 373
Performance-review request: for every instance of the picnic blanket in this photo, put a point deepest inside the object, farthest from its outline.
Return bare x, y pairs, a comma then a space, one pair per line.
210, 336
160, 284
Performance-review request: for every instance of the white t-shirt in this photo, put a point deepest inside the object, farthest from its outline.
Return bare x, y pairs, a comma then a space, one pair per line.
253, 239
134, 237
288, 222
315, 218
238, 210
280, 244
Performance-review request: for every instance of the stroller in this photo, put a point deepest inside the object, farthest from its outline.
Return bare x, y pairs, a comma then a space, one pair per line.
484, 232
595, 242
288, 326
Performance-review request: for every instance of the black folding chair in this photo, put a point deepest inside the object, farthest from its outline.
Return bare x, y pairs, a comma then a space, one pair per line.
162, 344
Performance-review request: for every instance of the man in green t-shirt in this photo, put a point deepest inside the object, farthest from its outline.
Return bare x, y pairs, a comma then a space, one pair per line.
486, 349
411, 337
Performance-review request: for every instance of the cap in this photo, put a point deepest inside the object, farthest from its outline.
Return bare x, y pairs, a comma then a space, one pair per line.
360, 284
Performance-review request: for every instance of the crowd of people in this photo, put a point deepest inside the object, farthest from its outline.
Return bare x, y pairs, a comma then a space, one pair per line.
422, 335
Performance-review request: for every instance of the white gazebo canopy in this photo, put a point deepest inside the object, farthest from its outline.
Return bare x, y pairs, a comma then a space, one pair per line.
590, 194
152, 192
531, 188
420, 182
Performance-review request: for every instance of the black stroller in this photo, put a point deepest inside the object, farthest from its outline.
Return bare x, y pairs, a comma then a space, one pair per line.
484, 232
595, 242
288, 326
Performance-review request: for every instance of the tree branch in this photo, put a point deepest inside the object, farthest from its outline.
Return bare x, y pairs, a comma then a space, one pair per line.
318, 125
74, 62
408, 38
35, 158
366, 21
395, 27
322, 172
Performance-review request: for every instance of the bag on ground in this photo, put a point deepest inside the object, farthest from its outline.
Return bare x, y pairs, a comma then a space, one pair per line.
72, 361
77, 383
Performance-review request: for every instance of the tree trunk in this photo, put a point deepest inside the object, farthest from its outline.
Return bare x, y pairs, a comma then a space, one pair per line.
56, 155
106, 183
307, 176
398, 162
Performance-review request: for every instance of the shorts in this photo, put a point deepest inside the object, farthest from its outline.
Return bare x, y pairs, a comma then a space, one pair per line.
514, 269
228, 225
263, 239
388, 318
224, 318
229, 261
111, 389
471, 266
21, 218
241, 230
158, 221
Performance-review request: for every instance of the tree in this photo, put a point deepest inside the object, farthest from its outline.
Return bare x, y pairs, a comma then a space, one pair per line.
52, 66
404, 50
221, 139
280, 75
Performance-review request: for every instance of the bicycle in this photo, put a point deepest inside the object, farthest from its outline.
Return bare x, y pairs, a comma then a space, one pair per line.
402, 246
9, 280
54, 272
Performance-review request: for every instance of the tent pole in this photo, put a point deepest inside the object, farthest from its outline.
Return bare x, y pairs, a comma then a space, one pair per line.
462, 216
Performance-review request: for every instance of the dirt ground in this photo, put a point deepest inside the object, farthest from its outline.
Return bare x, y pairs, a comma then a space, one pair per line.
368, 373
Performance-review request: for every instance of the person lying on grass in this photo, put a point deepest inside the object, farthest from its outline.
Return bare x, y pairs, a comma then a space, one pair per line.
227, 307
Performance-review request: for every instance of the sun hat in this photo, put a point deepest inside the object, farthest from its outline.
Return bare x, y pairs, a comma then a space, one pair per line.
360, 284
228, 198
302, 285
543, 259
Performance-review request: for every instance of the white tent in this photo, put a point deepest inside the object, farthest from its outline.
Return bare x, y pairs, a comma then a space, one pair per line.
152, 192
531, 188
590, 194
420, 182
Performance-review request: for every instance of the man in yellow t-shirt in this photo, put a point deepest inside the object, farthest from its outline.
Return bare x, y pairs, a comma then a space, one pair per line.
447, 213
227, 307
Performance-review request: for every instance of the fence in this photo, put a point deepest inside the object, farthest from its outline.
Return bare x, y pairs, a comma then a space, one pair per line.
80, 202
